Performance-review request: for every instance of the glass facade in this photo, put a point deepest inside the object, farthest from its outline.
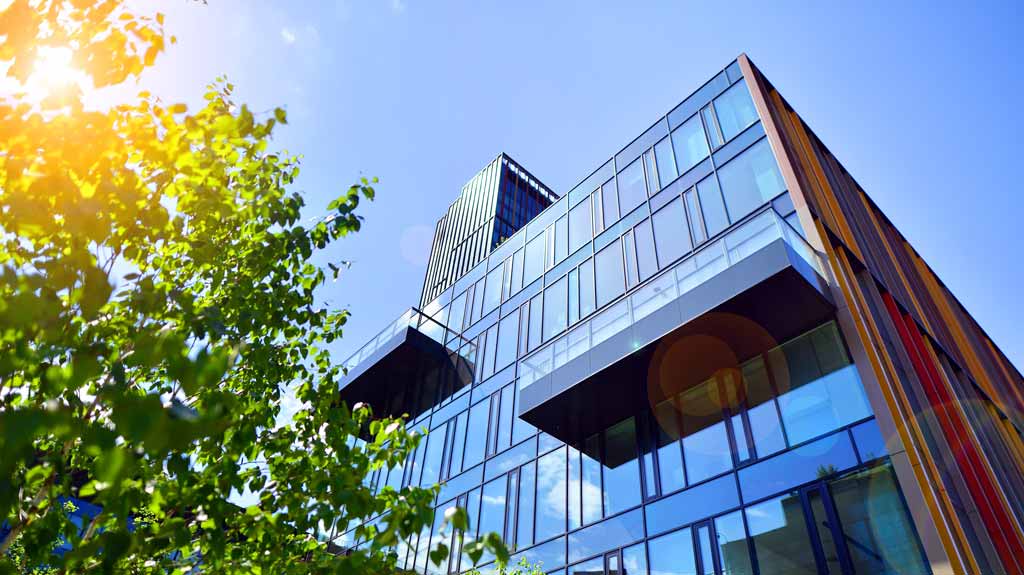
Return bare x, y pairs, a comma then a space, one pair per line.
771, 464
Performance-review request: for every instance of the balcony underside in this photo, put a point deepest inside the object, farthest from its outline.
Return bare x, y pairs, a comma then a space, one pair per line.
404, 374
748, 309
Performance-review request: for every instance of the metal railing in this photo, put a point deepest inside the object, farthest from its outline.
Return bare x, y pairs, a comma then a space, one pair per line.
416, 319
698, 267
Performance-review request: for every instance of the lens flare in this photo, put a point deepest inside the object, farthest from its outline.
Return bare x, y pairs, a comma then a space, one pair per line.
53, 73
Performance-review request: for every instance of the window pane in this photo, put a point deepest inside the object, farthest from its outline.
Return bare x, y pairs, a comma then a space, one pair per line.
517, 271
508, 333
607, 535
524, 526
580, 231
696, 220
458, 312
591, 488
492, 291
706, 442
733, 552
621, 469
629, 253
505, 416
609, 203
735, 110
715, 218
750, 180
476, 438
690, 145
646, 258
575, 489
551, 494
670, 453
780, 537
432, 459
535, 259
632, 190
672, 554
712, 127
634, 560
587, 301
492, 509
574, 296
670, 235
823, 404
878, 530
536, 316
666, 161
610, 281
556, 308
693, 504
598, 211
652, 173
561, 238
455, 460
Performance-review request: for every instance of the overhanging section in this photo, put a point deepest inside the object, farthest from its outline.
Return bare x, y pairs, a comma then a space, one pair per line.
402, 370
740, 311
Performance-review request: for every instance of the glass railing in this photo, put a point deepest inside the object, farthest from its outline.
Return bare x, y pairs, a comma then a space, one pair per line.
700, 266
415, 319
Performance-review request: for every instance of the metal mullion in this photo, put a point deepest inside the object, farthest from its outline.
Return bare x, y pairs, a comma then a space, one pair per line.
812, 528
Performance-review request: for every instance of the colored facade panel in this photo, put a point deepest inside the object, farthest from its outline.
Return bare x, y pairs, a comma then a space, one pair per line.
695, 350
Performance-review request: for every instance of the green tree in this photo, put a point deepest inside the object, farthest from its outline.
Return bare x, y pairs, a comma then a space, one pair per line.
157, 295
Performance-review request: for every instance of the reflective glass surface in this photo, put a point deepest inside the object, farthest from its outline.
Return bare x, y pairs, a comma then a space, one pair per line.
690, 144
733, 553
735, 110
666, 161
632, 189
609, 271
779, 532
712, 206
672, 554
750, 180
670, 235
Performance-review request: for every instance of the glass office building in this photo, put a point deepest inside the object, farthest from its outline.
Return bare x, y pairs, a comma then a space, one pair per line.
714, 355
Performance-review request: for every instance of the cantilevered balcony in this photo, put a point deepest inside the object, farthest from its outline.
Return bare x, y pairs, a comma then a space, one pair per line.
750, 289
401, 370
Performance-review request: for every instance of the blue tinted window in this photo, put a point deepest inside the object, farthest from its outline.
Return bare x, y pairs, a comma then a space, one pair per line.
621, 468
779, 533
766, 429
476, 437
827, 403
694, 504
827, 455
750, 180
672, 554
536, 317
593, 567
556, 308
646, 257
733, 552
492, 290
870, 443
631, 187
712, 206
876, 524
587, 300
666, 161
512, 458
670, 236
706, 449
580, 230
670, 453
533, 267
607, 535
690, 144
551, 494
609, 203
432, 458
591, 484
546, 556
735, 110
609, 272
492, 508
524, 524
634, 560
508, 337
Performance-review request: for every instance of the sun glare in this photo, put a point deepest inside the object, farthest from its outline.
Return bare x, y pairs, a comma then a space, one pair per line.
53, 72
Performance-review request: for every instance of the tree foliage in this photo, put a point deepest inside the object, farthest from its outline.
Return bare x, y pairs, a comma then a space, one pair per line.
157, 295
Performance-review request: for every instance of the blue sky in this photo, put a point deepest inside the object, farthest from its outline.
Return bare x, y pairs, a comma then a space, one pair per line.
916, 100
